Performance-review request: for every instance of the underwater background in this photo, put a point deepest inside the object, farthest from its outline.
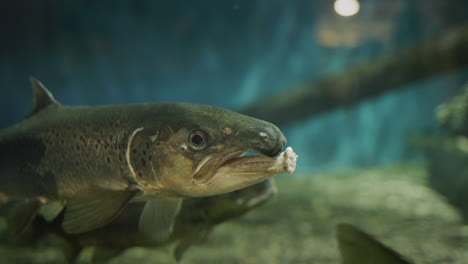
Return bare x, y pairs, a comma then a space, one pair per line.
230, 54
237, 53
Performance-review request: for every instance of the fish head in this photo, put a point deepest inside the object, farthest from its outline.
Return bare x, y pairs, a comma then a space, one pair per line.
216, 209
234, 204
201, 214
199, 150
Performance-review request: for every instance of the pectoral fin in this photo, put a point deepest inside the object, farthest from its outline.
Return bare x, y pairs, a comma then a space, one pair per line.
82, 215
157, 219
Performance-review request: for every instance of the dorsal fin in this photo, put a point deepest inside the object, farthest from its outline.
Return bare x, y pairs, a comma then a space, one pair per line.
42, 98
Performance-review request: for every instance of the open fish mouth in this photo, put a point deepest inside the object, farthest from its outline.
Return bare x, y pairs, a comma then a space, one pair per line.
285, 162
236, 164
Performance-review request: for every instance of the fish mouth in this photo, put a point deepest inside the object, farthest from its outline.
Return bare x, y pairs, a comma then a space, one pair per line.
256, 166
201, 176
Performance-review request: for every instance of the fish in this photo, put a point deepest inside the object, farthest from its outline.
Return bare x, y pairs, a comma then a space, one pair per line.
356, 246
197, 218
94, 160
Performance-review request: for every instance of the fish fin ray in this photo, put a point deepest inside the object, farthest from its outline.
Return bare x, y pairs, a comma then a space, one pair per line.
157, 218
42, 97
82, 215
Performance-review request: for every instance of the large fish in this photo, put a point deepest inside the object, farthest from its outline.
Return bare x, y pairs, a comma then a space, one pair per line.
99, 158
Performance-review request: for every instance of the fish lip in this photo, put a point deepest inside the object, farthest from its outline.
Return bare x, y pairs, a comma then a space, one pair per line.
230, 157
270, 152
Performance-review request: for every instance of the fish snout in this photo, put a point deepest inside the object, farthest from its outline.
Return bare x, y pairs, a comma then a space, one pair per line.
272, 140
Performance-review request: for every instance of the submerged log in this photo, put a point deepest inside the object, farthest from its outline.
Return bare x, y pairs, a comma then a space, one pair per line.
446, 53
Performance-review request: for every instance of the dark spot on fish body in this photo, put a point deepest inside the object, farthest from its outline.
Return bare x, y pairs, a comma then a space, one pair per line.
143, 162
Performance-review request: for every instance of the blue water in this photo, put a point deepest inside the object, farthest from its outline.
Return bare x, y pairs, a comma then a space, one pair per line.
229, 54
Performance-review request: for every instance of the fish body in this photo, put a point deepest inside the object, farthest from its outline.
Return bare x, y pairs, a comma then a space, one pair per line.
99, 158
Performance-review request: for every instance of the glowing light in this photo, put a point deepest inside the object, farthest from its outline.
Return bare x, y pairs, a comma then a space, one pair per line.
346, 7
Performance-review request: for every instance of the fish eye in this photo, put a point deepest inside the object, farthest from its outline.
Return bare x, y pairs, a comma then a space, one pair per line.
197, 139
